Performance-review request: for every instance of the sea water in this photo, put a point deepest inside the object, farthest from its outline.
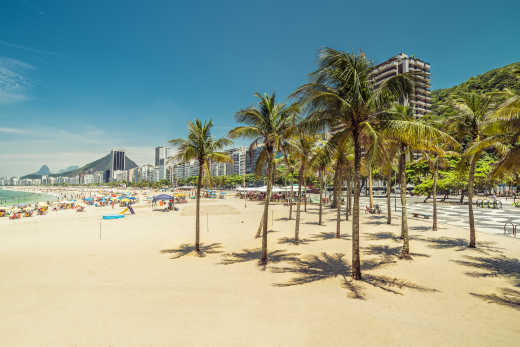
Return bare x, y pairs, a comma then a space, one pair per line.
11, 197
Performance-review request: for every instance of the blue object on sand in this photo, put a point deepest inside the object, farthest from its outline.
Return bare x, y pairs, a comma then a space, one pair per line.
115, 216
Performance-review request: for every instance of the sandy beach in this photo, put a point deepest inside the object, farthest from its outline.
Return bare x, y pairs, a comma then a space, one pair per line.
141, 284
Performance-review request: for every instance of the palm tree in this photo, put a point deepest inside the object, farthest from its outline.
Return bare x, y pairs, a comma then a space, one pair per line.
266, 124
409, 133
301, 147
202, 147
320, 162
435, 160
474, 112
343, 96
390, 149
342, 156
506, 127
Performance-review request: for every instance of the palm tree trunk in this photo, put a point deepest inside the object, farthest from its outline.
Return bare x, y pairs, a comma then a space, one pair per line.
305, 193
405, 252
321, 197
291, 199
356, 262
263, 260
298, 205
197, 212
472, 237
336, 179
350, 193
338, 205
388, 199
370, 192
434, 193
347, 200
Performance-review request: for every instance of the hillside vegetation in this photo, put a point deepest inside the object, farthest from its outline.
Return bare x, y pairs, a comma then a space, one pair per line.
491, 81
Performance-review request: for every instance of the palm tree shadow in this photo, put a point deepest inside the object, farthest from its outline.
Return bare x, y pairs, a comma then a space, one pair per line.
388, 252
421, 228
322, 236
507, 297
187, 248
247, 255
292, 241
493, 267
459, 244
314, 268
383, 236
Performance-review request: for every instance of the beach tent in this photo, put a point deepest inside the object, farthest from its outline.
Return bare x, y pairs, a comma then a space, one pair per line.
162, 197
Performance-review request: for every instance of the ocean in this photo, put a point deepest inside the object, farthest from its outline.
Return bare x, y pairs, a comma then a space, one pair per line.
10, 197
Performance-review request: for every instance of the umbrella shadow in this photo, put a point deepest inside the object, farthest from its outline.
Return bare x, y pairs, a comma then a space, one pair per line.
186, 248
313, 268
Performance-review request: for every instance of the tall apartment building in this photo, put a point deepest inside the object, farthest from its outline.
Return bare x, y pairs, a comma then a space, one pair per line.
117, 158
161, 156
401, 63
239, 157
251, 158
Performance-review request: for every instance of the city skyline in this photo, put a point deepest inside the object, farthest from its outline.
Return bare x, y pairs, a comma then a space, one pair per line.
69, 90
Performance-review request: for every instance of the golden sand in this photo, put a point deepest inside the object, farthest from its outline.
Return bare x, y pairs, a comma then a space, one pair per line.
142, 285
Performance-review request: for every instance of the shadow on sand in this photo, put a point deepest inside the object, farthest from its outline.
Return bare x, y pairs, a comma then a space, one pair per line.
506, 297
292, 241
388, 252
493, 267
459, 244
187, 248
322, 236
314, 268
499, 266
247, 255
383, 236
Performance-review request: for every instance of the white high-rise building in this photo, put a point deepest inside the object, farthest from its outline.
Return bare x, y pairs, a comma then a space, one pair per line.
420, 101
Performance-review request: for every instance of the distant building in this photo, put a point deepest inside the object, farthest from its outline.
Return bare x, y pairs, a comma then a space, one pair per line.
120, 176
117, 158
161, 156
420, 102
252, 158
133, 175
238, 165
147, 173
89, 179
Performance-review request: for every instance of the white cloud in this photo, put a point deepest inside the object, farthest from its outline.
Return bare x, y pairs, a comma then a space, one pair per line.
13, 81
25, 48
13, 131
60, 148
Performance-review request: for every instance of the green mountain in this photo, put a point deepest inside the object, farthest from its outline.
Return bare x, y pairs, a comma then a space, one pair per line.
101, 164
491, 81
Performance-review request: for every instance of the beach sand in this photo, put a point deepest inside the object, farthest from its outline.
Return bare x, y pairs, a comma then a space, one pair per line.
141, 284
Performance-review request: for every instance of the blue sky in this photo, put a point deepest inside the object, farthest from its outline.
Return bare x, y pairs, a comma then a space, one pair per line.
78, 78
